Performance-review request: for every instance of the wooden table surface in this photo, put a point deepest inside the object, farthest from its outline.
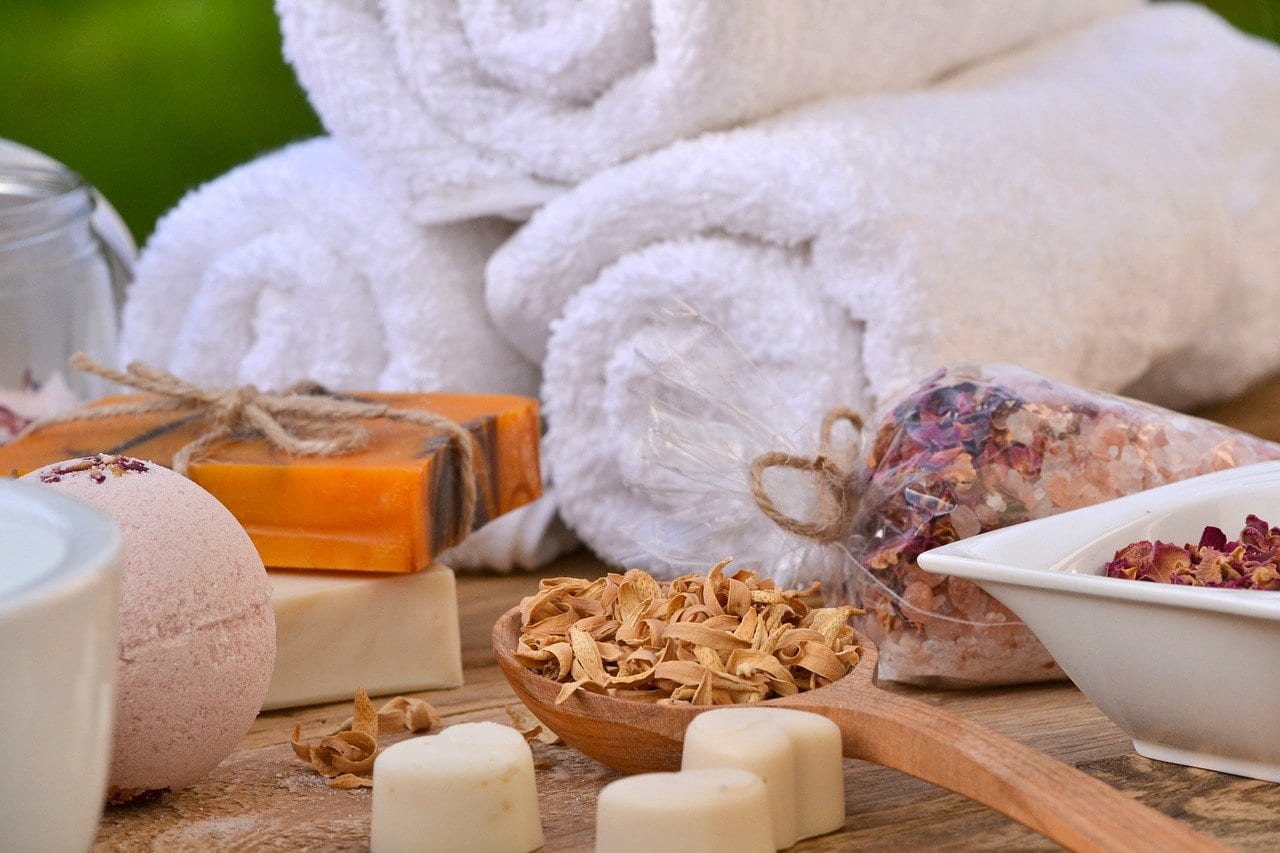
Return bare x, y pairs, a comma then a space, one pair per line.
263, 798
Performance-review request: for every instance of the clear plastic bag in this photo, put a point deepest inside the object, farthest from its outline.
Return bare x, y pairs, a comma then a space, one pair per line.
968, 450
978, 448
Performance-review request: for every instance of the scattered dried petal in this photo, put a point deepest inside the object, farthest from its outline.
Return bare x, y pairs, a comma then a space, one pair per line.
350, 781
401, 714
530, 726
410, 715
347, 754
364, 720
300, 749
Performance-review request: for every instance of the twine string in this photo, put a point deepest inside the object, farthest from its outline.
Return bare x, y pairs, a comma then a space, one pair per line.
303, 420
837, 502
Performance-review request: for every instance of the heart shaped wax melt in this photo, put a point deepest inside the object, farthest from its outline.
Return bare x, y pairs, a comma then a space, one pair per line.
197, 633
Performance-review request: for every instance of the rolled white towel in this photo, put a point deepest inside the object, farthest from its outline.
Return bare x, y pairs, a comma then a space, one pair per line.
296, 267
474, 107
1103, 209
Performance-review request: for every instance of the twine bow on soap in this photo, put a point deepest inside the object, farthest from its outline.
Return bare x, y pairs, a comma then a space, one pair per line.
837, 501
304, 420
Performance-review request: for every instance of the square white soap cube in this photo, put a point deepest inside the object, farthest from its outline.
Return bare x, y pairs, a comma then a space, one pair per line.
797, 754
469, 788
694, 811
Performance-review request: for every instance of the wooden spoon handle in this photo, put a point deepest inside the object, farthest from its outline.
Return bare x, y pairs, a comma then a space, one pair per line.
1058, 801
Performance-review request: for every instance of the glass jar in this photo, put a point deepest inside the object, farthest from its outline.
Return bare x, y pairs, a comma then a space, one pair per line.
60, 289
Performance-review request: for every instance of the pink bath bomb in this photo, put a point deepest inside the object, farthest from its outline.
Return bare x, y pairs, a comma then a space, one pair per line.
197, 631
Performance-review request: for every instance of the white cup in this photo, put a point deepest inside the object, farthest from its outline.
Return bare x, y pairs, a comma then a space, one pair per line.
59, 579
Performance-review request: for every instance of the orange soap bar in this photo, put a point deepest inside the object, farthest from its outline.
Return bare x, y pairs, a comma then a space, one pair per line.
391, 507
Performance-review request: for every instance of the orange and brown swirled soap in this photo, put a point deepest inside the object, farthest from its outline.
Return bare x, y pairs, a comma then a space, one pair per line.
390, 507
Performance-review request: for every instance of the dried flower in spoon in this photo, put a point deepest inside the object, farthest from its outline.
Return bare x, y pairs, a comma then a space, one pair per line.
714, 640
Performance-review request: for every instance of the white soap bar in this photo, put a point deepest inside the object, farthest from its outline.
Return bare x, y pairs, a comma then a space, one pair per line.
389, 633
797, 754
693, 811
469, 788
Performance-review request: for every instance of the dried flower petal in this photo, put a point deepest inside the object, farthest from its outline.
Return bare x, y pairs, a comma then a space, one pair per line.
351, 750
703, 695
345, 752
1251, 563
698, 634
350, 781
401, 714
574, 686
300, 748
364, 720
530, 726
587, 663
408, 715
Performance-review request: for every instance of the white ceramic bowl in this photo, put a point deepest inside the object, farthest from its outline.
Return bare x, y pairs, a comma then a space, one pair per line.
1189, 673
59, 578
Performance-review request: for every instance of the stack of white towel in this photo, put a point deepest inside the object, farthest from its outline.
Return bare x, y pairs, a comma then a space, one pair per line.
1087, 188
471, 107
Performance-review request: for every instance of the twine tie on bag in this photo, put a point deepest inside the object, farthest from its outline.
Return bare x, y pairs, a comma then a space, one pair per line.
833, 519
304, 420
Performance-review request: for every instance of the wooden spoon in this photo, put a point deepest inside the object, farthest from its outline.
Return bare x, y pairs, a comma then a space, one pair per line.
1057, 801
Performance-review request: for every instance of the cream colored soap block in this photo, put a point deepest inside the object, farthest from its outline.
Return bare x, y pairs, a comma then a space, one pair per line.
693, 811
469, 788
389, 633
798, 755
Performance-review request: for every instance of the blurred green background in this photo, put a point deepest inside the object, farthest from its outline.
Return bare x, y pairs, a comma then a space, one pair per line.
149, 98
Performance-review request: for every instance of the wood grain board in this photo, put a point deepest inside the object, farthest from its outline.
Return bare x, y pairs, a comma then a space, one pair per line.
263, 798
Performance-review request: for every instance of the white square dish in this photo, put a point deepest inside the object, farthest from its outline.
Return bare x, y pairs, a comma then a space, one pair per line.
1189, 673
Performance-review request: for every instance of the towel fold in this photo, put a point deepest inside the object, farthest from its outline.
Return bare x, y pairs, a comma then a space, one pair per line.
474, 107
1103, 209
296, 267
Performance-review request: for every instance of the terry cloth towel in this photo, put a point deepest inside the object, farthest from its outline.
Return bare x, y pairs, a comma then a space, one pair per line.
1104, 209
474, 107
294, 266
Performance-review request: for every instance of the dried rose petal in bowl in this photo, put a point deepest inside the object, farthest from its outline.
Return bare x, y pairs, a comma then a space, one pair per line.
1251, 562
1186, 671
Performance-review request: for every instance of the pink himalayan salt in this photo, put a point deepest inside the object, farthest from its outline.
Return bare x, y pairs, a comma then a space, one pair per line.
197, 631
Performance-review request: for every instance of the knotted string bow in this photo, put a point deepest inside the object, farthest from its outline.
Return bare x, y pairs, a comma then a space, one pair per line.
837, 502
304, 420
